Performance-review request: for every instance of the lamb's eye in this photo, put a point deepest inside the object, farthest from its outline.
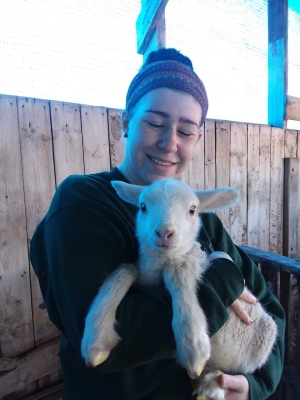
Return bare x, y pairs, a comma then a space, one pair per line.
192, 210
143, 207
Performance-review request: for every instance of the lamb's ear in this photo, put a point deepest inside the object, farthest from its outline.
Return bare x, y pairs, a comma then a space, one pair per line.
218, 199
128, 192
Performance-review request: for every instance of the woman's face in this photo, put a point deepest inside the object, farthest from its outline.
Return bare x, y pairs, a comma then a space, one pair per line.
163, 131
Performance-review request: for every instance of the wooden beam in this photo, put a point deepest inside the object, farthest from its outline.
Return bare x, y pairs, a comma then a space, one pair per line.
17, 373
286, 264
149, 24
293, 108
277, 61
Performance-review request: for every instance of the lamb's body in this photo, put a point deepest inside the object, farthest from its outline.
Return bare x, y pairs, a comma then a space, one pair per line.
167, 226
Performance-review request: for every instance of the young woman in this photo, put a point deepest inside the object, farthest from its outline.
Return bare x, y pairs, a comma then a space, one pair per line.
88, 232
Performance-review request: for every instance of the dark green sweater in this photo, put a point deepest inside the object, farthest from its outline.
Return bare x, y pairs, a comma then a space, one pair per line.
87, 232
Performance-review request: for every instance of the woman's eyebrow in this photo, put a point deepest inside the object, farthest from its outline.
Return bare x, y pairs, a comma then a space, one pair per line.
166, 115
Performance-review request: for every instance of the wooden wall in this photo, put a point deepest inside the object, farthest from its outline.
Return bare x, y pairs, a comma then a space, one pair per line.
42, 142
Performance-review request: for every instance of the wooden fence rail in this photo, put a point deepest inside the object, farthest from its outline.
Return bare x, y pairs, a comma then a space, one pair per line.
42, 142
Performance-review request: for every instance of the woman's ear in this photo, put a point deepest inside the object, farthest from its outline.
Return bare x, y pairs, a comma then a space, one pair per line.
125, 122
199, 136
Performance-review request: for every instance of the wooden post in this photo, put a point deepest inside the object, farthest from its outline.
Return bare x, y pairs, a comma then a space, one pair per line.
150, 26
291, 227
277, 61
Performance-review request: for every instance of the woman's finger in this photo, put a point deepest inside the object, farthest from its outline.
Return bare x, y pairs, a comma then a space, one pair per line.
238, 308
248, 297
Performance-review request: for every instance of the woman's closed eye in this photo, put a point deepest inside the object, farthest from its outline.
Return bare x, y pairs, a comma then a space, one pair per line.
154, 125
185, 134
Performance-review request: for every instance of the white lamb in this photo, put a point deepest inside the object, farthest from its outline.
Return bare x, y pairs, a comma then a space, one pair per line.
167, 225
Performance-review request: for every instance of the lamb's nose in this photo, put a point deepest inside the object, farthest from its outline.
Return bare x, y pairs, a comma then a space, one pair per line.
164, 235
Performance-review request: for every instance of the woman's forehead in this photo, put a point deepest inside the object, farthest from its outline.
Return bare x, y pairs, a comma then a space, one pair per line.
168, 102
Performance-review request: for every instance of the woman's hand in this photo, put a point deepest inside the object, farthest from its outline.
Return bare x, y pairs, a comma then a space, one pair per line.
237, 386
246, 295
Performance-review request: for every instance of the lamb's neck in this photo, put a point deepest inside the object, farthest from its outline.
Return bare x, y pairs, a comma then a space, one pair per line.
151, 265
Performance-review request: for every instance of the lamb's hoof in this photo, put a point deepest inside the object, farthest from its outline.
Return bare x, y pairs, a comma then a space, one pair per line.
97, 359
100, 358
207, 385
194, 375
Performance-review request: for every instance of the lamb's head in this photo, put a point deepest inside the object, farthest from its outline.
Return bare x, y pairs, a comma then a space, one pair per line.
168, 219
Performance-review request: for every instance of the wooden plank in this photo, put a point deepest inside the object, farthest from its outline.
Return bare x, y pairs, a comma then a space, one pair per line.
34, 365
39, 187
194, 175
149, 17
51, 393
210, 154
238, 179
253, 214
223, 164
277, 61
276, 198
95, 139
158, 38
291, 226
67, 139
293, 108
290, 143
16, 325
117, 142
264, 186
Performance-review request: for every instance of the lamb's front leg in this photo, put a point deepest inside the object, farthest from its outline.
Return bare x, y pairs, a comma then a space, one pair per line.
189, 322
99, 336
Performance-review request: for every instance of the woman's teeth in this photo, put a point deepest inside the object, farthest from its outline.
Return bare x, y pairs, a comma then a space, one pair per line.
165, 164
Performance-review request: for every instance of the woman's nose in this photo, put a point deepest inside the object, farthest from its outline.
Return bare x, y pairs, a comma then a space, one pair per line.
168, 142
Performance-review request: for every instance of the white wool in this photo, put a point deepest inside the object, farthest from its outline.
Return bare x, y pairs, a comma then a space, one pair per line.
167, 226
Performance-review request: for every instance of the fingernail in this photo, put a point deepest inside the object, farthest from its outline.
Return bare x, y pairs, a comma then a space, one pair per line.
251, 321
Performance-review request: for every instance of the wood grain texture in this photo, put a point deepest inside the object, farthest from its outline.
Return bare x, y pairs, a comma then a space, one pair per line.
117, 142
238, 179
16, 324
31, 367
39, 187
264, 186
67, 139
210, 154
253, 190
95, 139
223, 132
276, 195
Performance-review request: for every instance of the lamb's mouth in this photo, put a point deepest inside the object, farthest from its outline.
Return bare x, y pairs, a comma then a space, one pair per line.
160, 162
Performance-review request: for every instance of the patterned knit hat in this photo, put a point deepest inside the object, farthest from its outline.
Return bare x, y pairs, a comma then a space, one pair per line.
167, 74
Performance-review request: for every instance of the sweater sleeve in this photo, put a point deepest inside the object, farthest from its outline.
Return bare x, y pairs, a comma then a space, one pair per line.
80, 242
264, 381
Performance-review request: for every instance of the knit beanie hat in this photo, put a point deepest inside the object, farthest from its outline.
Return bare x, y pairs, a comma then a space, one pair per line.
167, 74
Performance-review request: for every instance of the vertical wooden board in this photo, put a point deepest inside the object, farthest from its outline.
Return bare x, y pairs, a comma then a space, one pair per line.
67, 139
194, 175
238, 179
291, 234
223, 164
276, 197
264, 186
117, 142
253, 213
39, 187
290, 143
298, 144
210, 154
16, 325
95, 139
